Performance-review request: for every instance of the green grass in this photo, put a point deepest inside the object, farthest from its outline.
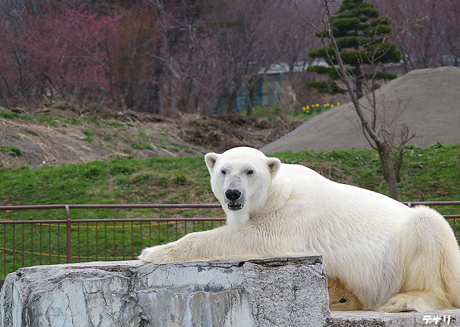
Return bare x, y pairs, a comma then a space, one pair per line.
44, 119
53, 121
431, 173
88, 132
11, 150
13, 115
141, 146
428, 174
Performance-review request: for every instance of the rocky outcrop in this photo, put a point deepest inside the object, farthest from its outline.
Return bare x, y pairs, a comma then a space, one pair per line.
269, 292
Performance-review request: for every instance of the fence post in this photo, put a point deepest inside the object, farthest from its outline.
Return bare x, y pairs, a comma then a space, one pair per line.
69, 236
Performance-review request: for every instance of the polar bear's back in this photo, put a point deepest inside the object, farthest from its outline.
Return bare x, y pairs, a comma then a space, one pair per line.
342, 210
343, 221
310, 186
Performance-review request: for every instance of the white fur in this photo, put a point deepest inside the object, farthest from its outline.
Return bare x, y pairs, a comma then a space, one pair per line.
393, 258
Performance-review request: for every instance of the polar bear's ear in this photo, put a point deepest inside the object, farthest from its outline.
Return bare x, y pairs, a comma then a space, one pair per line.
210, 159
274, 164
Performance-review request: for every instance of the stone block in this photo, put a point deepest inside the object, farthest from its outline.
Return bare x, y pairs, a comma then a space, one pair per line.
447, 318
268, 292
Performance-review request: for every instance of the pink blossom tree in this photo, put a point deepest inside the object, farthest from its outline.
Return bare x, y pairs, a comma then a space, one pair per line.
80, 56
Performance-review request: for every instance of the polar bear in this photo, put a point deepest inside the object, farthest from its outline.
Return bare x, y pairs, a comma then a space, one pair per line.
340, 298
391, 257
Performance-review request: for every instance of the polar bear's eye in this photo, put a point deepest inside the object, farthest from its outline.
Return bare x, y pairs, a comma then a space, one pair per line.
223, 172
250, 172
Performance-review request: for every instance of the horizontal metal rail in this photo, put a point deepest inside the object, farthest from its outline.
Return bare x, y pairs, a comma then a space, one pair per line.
436, 203
112, 206
107, 220
433, 203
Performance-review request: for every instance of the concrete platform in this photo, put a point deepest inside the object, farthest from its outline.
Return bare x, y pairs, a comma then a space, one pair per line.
270, 292
404, 319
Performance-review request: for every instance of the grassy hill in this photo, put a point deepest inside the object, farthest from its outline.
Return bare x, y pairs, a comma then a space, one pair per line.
431, 173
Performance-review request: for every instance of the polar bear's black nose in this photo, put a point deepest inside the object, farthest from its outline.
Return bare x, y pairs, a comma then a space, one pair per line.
232, 195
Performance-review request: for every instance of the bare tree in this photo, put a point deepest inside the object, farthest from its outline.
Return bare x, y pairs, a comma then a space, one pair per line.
378, 129
252, 36
291, 41
244, 45
448, 26
427, 30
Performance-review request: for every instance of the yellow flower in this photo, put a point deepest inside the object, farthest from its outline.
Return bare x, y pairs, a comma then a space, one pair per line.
308, 107
338, 103
332, 106
303, 108
317, 105
326, 105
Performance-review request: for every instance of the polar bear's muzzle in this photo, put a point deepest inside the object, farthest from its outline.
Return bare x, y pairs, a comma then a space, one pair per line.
234, 200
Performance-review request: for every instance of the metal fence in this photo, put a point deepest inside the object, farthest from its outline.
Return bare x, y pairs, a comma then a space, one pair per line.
43, 242
51, 241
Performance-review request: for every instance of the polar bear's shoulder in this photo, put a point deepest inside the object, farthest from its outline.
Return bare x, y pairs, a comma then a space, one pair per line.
299, 174
295, 168
292, 181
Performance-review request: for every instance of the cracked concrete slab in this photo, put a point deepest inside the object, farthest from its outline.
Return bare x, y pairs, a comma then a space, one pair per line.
268, 292
403, 319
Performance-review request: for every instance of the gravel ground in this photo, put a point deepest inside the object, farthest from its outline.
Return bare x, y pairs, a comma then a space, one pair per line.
427, 100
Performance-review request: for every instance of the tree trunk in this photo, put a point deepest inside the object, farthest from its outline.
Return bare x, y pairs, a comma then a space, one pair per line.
252, 90
358, 81
250, 110
389, 172
230, 103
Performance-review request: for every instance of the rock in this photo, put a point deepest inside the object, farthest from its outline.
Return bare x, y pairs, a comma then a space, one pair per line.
402, 319
268, 292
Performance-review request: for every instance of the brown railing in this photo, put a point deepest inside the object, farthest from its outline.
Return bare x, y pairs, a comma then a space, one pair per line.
55, 241
437, 203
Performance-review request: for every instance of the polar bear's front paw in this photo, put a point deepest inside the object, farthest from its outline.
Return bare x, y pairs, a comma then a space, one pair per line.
420, 301
156, 254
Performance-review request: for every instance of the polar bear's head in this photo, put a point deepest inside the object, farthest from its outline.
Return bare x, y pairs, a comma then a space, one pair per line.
240, 179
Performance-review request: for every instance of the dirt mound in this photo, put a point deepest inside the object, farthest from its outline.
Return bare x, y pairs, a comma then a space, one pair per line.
129, 135
34, 143
133, 116
53, 109
98, 111
427, 100
222, 132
